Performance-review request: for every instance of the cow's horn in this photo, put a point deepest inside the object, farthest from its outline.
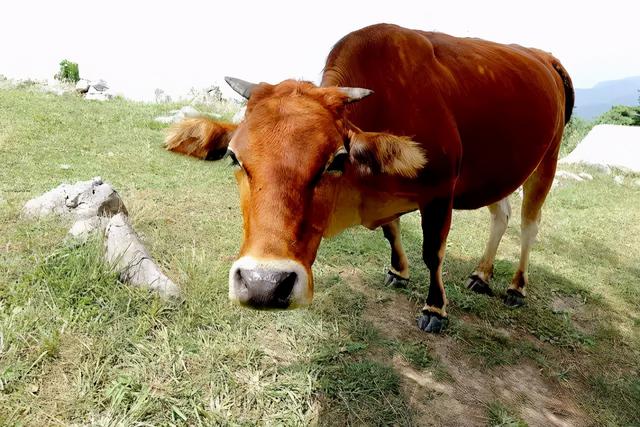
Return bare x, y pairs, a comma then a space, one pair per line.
355, 93
243, 88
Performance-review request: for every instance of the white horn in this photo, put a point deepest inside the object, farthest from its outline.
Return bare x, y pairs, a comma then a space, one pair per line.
355, 93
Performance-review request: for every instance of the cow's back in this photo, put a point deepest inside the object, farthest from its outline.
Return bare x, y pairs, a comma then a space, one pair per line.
484, 111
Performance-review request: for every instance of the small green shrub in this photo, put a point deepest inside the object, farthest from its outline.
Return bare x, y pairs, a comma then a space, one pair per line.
69, 72
621, 115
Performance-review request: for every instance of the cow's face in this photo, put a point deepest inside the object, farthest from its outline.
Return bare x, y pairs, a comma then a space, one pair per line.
292, 153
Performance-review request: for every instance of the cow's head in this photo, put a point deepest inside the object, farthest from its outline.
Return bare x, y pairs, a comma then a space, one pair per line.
292, 153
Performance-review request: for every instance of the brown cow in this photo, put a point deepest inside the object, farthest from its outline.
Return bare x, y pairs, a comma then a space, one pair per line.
455, 123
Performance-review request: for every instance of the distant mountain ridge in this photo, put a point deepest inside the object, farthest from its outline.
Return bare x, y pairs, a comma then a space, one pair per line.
592, 102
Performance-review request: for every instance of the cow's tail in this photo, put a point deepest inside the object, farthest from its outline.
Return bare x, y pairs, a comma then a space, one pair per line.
569, 94
200, 137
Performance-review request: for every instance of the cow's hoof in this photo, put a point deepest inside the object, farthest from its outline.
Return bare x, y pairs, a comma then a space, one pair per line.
479, 286
432, 323
392, 279
513, 298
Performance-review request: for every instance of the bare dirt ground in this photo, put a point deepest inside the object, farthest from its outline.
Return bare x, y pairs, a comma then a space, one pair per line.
464, 394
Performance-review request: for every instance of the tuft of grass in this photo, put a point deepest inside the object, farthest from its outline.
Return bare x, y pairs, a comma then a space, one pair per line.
499, 415
415, 353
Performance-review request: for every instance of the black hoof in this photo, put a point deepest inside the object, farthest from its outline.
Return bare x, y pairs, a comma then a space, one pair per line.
432, 323
392, 279
514, 298
477, 285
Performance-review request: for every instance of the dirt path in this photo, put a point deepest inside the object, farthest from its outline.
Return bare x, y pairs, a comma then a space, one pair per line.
462, 398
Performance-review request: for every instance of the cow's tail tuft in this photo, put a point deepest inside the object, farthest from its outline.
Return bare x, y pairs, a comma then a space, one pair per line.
569, 93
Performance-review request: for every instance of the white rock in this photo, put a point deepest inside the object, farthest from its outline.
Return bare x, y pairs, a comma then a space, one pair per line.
167, 120
601, 168
189, 111
98, 95
97, 206
618, 179
176, 116
636, 183
81, 200
586, 176
568, 175
100, 85
82, 86
127, 254
82, 228
239, 116
611, 145
65, 166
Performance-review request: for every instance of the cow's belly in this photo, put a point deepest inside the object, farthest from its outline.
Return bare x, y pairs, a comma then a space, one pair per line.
493, 168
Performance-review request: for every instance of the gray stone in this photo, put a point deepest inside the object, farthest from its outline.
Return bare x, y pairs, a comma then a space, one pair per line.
618, 179
611, 145
100, 85
176, 116
126, 253
83, 228
82, 86
568, 176
80, 200
166, 120
94, 94
601, 168
586, 176
95, 205
189, 111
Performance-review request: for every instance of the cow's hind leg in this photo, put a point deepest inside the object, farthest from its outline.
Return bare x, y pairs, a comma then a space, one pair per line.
398, 274
535, 190
479, 279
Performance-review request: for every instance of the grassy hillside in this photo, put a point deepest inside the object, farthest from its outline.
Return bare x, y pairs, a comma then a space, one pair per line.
78, 347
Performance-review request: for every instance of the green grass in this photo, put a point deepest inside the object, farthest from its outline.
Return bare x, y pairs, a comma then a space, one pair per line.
500, 416
77, 346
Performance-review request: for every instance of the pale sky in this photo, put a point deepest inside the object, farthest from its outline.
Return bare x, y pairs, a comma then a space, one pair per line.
137, 46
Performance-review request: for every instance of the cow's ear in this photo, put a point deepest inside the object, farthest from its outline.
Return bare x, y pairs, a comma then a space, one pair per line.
200, 137
372, 153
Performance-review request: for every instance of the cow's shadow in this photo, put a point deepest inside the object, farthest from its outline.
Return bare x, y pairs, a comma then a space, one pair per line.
563, 319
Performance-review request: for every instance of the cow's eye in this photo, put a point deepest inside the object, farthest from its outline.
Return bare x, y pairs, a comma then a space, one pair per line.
233, 159
338, 162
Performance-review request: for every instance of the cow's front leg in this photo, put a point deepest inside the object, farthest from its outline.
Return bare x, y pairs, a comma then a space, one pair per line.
398, 274
436, 220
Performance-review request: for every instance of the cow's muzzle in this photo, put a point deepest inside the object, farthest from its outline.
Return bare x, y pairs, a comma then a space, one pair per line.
269, 284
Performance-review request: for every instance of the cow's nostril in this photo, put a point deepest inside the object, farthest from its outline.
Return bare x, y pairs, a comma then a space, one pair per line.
265, 288
285, 286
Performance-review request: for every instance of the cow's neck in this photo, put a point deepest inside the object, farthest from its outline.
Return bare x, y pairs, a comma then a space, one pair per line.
358, 204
